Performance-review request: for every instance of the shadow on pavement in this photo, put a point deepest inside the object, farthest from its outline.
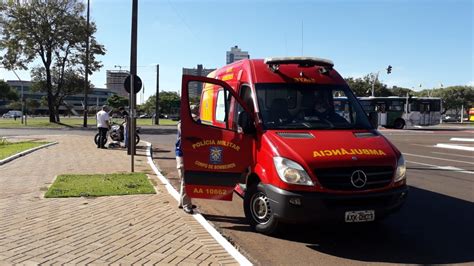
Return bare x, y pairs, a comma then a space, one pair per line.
160, 150
226, 219
431, 228
159, 131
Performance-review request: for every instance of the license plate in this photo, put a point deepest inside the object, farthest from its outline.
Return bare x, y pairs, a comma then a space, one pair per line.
360, 216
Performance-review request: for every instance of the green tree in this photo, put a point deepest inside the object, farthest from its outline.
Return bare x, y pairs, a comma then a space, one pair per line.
116, 101
170, 103
32, 105
15, 105
455, 97
363, 86
64, 84
402, 92
149, 106
6, 93
55, 32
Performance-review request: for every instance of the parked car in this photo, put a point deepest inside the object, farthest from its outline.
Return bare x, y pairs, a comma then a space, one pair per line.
12, 114
174, 117
145, 116
452, 118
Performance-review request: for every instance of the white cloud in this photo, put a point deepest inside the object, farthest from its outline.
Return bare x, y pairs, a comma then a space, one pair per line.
470, 83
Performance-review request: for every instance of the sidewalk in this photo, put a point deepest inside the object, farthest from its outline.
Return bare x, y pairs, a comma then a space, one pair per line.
144, 229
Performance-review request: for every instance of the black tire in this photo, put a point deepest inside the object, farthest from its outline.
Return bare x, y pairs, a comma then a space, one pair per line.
96, 139
137, 139
399, 124
258, 212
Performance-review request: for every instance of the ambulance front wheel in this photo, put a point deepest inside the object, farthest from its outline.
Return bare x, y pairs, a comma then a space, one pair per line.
257, 210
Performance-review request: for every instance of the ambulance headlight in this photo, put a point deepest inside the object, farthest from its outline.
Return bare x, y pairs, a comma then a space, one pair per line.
291, 172
401, 172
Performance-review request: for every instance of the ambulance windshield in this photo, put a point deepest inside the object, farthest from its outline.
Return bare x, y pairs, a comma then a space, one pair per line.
309, 106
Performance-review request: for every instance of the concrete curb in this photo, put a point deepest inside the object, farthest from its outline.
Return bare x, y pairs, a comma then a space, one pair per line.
13, 157
241, 259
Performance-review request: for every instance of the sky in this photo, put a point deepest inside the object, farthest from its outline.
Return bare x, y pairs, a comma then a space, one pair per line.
429, 43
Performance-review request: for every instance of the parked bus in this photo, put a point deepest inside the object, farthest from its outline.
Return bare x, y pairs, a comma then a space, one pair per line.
393, 112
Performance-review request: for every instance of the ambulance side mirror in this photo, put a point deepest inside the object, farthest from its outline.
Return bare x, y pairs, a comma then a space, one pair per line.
374, 119
246, 123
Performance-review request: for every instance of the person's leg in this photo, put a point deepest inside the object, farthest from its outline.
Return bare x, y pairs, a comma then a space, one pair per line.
103, 137
184, 200
125, 135
99, 140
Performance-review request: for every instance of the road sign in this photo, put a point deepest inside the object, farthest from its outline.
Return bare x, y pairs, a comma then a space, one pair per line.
137, 84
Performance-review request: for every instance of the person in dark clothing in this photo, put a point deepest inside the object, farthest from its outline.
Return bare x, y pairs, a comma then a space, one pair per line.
124, 128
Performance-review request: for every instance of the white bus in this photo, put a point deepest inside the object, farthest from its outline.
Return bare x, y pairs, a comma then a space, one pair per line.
394, 113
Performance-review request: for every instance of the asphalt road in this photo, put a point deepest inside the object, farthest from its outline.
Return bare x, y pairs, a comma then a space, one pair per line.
435, 226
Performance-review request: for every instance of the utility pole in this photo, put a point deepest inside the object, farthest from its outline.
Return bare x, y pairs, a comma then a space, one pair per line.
133, 74
157, 99
86, 82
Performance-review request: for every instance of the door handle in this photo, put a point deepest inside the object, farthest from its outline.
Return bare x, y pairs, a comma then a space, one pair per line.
193, 139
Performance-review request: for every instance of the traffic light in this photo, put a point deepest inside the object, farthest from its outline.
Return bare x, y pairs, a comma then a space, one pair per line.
389, 69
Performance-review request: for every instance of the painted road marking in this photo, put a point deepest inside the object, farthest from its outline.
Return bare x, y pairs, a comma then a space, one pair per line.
436, 158
450, 154
212, 231
462, 139
454, 147
449, 168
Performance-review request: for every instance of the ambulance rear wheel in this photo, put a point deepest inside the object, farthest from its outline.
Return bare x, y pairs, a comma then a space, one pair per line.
257, 210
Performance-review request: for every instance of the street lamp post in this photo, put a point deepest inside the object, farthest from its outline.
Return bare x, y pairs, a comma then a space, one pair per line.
389, 70
373, 83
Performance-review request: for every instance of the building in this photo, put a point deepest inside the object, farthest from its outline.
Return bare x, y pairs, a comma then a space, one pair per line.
115, 80
72, 104
235, 54
194, 90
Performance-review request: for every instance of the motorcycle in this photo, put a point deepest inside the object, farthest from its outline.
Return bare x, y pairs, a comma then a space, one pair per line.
116, 133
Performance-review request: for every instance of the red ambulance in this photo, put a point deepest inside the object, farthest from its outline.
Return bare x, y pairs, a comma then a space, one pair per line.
277, 132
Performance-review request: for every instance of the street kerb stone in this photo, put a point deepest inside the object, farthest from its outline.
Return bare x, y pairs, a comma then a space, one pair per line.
135, 228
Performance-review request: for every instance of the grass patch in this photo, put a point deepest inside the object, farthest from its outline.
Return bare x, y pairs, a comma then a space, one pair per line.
8, 149
149, 122
100, 185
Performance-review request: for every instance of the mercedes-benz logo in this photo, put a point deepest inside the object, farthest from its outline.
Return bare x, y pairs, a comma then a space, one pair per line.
358, 179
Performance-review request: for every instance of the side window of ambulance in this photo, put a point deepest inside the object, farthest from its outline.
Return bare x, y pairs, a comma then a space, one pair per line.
211, 105
221, 106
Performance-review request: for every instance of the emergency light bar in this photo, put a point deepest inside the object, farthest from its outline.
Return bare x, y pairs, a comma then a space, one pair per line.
301, 61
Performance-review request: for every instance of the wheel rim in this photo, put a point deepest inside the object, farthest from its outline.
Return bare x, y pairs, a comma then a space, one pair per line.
260, 208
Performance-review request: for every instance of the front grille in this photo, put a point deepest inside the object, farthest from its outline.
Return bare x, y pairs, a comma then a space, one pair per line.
340, 178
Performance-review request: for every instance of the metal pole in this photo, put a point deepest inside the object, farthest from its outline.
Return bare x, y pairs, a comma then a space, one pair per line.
132, 124
23, 114
373, 83
157, 99
133, 73
22, 97
86, 83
